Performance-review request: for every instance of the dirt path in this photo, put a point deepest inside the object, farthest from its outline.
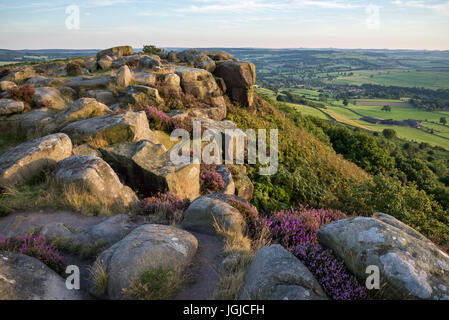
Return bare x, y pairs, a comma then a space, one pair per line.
204, 269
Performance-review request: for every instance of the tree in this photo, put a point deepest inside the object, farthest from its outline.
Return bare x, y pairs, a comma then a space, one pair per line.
443, 121
389, 133
151, 49
345, 102
386, 108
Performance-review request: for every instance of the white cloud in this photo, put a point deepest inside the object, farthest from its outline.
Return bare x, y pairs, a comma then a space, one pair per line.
442, 7
211, 6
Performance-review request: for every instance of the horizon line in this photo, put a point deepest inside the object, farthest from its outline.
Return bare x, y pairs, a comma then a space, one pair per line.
240, 47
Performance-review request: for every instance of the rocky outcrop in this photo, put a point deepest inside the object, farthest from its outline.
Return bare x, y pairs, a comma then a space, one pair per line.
148, 167
124, 77
97, 176
225, 173
30, 158
243, 186
104, 96
7, 85
86, 150
43, 81
26, 278
200, 84
142, 95
147, 62
240, 78
89, 83
276, 274
202, 214
81, 109
144, 249
110, 129
20, 74
49, 97
9, 106
411, 267
31, 124
115, 52
105, 62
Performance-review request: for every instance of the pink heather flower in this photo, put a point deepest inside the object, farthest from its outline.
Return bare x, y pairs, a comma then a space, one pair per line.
296, 229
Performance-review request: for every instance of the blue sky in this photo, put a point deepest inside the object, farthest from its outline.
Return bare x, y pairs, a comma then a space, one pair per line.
403, 24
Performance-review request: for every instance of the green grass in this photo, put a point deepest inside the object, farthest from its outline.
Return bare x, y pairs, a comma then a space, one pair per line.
156, 284
401, 78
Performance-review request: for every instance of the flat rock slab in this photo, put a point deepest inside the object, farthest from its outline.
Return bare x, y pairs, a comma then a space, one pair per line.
276, 274
9, 106
148, 247
26, 278
82, 230
110, 129
30, 158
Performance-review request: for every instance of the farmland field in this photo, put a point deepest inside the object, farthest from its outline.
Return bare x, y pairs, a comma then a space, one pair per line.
400, 78
350, 115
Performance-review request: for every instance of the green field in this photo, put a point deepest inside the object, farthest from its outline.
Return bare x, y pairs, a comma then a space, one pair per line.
400, 78
350, 115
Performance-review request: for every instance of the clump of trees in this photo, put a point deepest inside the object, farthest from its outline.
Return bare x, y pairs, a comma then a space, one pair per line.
151, 49
389, 133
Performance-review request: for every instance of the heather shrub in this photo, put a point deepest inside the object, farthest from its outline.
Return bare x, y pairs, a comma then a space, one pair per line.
331, 274
249, 214
23, 93
37, 247
210, 180
165, 207
295, 229
158, 119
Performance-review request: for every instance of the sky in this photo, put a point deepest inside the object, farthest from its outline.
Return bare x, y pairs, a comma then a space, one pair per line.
96, 24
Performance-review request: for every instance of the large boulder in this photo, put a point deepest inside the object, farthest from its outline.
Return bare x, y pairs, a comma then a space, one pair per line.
83, 108
43, 81
85, 83
145, 78
20, 74
142, 95
30, 158
105, 62
243, 186
110, 129
147, 62
225, 173
97, 176
411, 267
9, 106
148, 167
200, 84
26, 278
103, 96
124, 77
240, 78
276, 274
202, 214
115, 52
7, 85
49, 97
218, 55
146, 248
130, 61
